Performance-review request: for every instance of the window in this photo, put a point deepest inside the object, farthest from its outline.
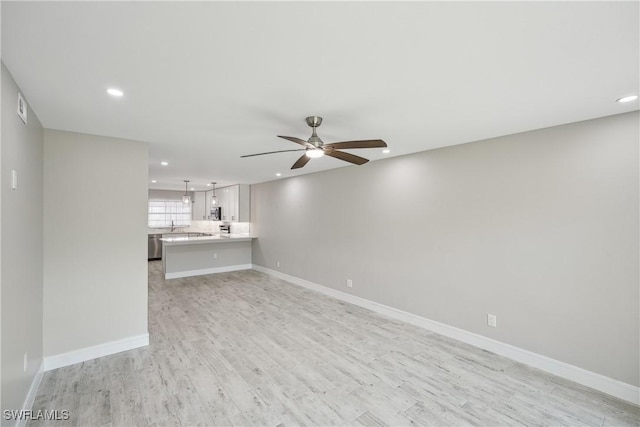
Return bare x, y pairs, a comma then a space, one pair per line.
162, 212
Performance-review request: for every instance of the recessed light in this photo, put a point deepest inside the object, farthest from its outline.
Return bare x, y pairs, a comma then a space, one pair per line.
191, 189
164, 163
208, 185
386, 151
153, 181
278, 174
627, 98
115, 92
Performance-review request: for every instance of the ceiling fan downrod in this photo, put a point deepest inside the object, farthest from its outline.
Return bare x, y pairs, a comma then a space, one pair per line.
314, 122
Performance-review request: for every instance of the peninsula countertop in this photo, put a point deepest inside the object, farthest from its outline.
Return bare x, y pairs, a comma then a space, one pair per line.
216, 238
184, 230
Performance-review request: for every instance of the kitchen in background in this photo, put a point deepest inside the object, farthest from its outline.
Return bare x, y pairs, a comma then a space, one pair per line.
170, 216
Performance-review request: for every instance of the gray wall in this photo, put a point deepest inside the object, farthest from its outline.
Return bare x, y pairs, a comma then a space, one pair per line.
539, 228
21, 248
95, 234
168, 194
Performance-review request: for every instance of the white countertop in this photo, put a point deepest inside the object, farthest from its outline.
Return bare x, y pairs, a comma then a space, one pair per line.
176, 231
218, 238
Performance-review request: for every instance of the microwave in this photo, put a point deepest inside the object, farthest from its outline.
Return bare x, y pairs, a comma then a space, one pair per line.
216, 213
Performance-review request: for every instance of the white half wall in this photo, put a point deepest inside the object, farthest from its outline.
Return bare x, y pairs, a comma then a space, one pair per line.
95, 235
538, 228
213, 256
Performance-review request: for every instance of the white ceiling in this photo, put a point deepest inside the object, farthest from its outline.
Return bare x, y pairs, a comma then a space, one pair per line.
206, 82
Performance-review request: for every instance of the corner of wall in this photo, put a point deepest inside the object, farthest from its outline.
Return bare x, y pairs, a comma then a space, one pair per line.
110, 229
21, 276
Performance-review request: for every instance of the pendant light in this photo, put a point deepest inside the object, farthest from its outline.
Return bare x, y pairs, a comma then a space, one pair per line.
214, 199
186, 199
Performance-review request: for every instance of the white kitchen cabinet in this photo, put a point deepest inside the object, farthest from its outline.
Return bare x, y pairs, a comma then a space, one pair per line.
235, 202
207, 204
223, 202
198, 209
244, 203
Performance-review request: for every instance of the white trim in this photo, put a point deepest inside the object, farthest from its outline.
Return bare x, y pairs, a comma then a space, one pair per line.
582, 376
31, 395
93, 352
203, 271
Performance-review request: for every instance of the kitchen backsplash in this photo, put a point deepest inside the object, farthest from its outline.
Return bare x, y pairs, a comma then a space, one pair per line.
241, 228
214, 227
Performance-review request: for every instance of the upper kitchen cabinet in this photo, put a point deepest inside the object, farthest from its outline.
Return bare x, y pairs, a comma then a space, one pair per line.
235, 202
199, 207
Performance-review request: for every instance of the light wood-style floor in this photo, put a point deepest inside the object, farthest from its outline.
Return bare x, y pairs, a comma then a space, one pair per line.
247, 349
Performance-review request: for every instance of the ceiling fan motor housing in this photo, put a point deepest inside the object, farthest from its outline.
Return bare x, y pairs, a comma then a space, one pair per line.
315, 140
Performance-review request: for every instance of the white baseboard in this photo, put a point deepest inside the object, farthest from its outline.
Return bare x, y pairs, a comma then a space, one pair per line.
202, 272
31, 394
93, 352
582, 376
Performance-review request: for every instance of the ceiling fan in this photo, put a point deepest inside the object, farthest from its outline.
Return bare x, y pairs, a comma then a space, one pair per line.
314, 147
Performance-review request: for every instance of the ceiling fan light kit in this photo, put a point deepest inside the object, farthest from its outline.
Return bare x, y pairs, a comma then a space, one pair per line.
314, 147
314, 153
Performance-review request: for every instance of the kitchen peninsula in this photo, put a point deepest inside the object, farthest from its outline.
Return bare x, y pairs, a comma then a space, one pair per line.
197, 255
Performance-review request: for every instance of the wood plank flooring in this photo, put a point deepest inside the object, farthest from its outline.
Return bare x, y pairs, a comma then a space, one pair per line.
246, 349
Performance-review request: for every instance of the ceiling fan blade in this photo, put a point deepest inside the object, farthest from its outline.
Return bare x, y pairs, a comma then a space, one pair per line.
356, 160
301, 162
296, 140
272, 152
366, 143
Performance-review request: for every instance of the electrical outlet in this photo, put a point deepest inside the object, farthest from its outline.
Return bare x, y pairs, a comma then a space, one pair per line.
492, 320
349, 283
278, 264
14, 180
25, 361
215, 256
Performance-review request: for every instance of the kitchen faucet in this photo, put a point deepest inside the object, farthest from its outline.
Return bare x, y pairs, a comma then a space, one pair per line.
172, 226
